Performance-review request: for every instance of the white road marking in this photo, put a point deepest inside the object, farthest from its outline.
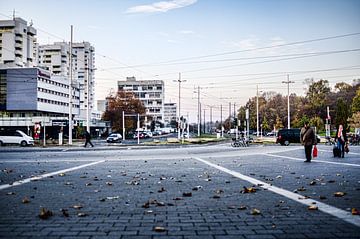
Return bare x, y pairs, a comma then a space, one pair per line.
339, 213
35, 178
314, 160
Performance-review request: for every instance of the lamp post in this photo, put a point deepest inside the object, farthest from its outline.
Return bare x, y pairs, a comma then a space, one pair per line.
288, 98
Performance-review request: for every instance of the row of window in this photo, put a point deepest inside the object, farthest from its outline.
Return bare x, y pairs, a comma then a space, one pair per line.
53, 92
54, 102
53, 82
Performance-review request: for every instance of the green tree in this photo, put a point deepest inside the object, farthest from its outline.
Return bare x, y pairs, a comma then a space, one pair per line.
317, 122
265, 124
355, 106
342, 113
317, 96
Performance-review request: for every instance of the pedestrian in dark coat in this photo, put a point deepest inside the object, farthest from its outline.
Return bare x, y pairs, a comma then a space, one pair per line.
88, 139
341, 139
308, 139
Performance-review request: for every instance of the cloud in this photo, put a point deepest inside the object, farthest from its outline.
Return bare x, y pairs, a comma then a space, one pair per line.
163, 6
245, 44
186, 32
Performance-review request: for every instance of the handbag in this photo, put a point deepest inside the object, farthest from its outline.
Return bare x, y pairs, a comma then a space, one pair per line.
346, 148
315, 152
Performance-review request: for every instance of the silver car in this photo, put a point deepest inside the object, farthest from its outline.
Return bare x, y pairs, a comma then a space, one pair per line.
114, 138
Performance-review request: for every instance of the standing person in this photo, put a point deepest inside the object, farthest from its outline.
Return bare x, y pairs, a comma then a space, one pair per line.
308, 139
341, 139
88, 137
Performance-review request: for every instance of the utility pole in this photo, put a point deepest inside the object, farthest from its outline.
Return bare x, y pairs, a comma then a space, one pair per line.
70, 90
199, 112
257, 110
200, 117
288, 82
211, 119
221, 122
87, 101
204, 122
179, 128
230, 116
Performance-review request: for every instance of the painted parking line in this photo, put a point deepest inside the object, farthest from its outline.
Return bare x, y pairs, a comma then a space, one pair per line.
35, 178
312, 161
339, 213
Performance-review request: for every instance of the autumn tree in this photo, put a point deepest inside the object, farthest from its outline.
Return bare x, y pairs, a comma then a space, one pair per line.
123, 101
317, 96
342, 112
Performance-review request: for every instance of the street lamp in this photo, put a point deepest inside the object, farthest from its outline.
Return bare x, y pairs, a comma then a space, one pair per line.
257, 110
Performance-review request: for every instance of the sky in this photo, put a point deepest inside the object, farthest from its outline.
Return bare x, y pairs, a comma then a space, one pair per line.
225, 48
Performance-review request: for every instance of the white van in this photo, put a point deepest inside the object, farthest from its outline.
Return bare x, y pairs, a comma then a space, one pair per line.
15, 137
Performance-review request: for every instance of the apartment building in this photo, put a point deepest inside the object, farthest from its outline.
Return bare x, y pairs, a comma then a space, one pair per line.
149, 92
170, 113
17, 43
55, 58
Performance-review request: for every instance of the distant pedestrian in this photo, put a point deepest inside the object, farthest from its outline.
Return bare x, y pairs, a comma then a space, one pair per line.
341, 139
308, 139
88, 138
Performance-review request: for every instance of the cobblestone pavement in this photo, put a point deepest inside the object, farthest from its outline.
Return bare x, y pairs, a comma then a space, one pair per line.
189, 192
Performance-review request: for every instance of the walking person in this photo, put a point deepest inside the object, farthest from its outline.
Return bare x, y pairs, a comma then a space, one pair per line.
88, 139
341, 139
308, 139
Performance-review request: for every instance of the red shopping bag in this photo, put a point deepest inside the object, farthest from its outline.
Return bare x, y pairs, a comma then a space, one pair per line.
315, 151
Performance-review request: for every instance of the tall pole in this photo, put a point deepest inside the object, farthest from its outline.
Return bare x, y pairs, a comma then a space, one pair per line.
199, 111
257, 110
221, 122
230, 116
123, 125
288, 97
70, 90
204, 122
179, 116
211, 119
87, 101
200, 117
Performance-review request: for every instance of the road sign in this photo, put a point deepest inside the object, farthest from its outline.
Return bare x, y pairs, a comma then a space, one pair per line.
60, 122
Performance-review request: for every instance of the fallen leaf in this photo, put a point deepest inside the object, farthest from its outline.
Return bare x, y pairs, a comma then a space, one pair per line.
187, 194
339, 194
109, 183
177, 198
160, 204
279, 177
322, 197
301, 189
61, 174
45, 214
242, 207
159, 229
25, 200
216, 196
255, 211
146, 205
312, 183
162, 189
354, 211
248, 190
77, 206
64, 212
219, 191
312, 207
81, 214
88, 184
112, 198
196, 188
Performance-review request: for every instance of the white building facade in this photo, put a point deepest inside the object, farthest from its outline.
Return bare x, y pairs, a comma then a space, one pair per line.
149, 92
56, 58
170, 113
18, 43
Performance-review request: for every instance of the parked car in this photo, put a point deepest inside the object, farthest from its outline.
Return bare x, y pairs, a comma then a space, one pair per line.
287, 136
15, 137
114, 138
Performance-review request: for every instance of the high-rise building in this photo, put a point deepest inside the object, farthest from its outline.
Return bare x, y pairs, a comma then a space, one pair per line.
149, 92
169, 113
55, 58
18, 43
